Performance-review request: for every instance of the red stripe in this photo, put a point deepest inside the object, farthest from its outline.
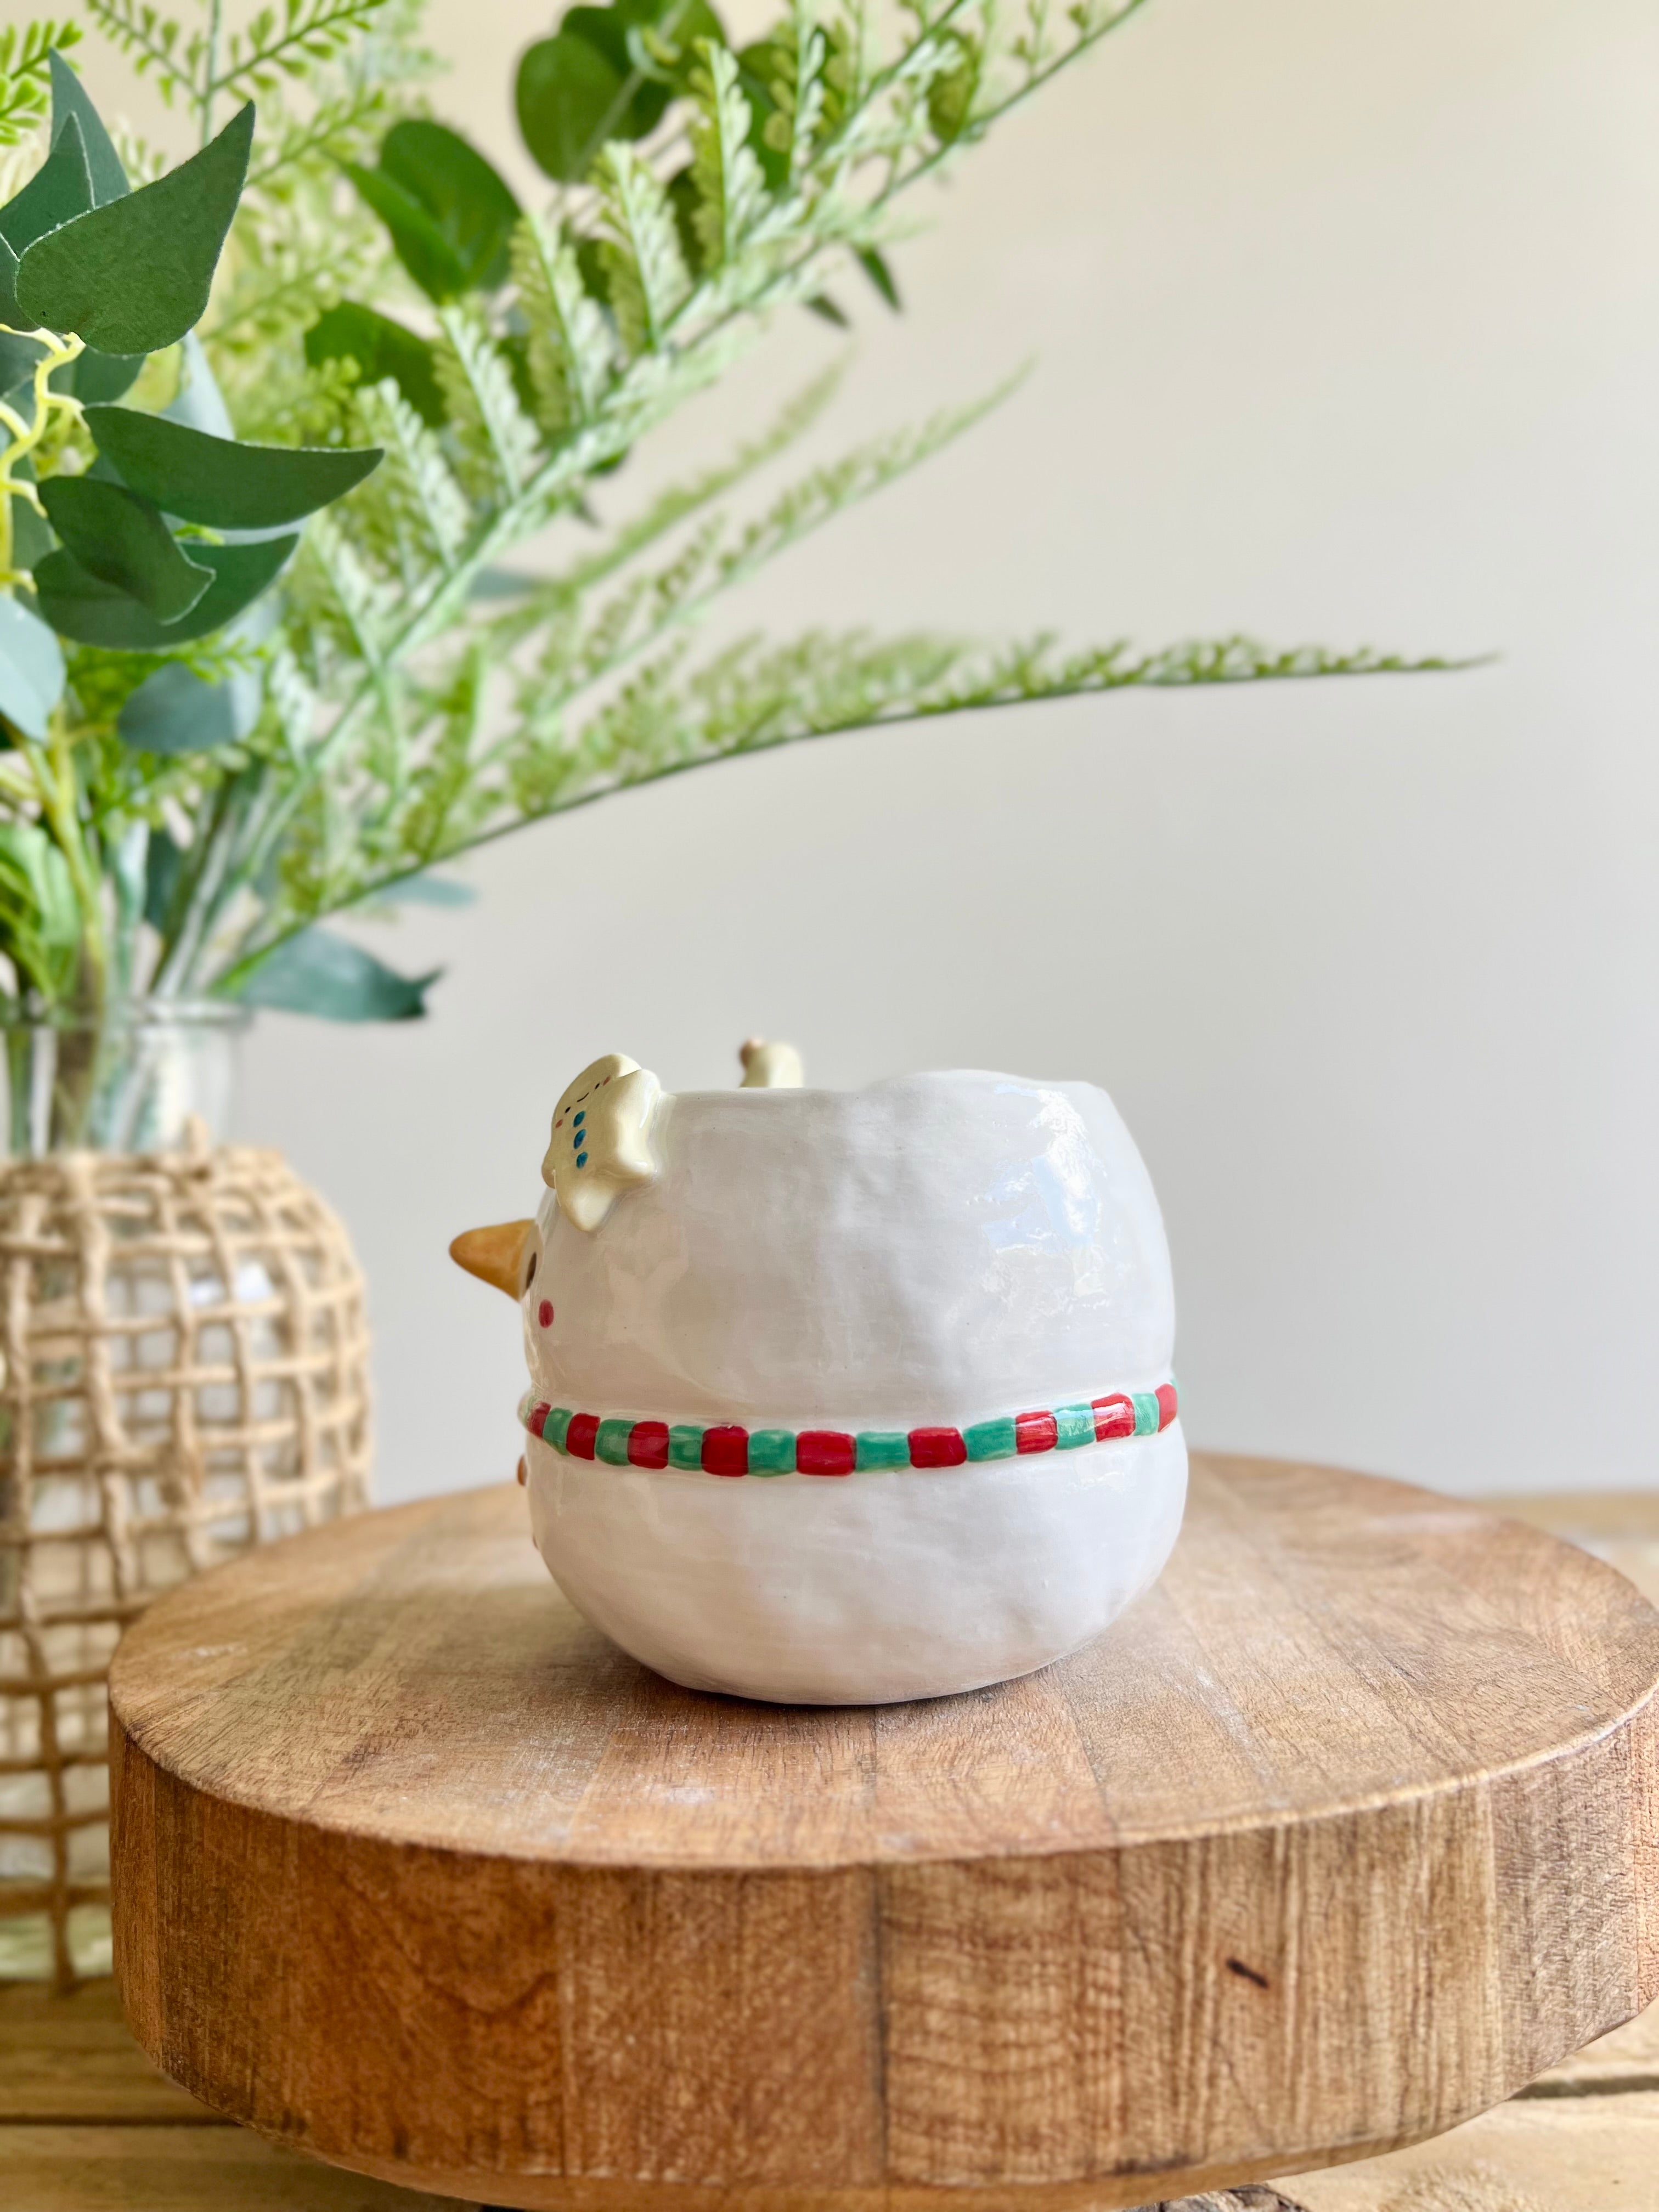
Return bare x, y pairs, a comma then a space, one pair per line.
726, 1449
537, 1415
825, 1451
1114, 1417
1166, 1405
578, 1437
937, 1447
1035, 1432
648, 1444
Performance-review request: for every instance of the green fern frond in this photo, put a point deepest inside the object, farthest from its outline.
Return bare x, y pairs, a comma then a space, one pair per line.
645, 270
344, 601
411, 514
288, 42
25, 52
679, 502
496, 442
157, 46
412, 710
571, 354
336, 129
285, 263
730, 191
756, 695
799, 91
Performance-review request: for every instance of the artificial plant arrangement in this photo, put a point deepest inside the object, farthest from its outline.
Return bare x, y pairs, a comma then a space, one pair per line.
279, 416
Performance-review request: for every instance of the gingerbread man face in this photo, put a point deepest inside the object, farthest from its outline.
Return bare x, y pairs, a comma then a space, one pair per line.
600, 1143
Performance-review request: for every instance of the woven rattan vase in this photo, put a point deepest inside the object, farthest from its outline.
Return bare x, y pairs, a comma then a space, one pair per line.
185, 1375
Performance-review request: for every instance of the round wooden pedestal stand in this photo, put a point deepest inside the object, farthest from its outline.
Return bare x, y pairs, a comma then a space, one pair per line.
1343, 1833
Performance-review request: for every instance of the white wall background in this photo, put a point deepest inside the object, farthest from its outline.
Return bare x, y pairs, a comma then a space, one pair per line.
1346, 326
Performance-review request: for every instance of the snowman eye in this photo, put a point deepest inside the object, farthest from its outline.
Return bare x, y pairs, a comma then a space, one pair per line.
529, 1272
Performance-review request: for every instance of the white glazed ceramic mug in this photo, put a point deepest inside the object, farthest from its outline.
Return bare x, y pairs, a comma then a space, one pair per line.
845, 1397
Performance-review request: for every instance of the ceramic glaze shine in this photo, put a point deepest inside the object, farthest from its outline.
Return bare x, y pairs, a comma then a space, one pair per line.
827, 1294
909, 1583
933, 1247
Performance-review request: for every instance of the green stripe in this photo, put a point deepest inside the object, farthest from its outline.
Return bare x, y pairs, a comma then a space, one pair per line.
685, 1445
772, 1452
612, 1443
881, 1447
992, 1439
557, 1426
1076, 1425
1148, 1412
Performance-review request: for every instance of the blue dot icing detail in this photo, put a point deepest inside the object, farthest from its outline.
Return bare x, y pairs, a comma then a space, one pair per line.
580, 1118
581, 1159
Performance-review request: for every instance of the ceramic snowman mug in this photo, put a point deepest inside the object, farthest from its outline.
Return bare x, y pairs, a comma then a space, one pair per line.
844, 1397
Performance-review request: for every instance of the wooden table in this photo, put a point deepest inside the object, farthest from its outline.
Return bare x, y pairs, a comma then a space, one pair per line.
88, 2123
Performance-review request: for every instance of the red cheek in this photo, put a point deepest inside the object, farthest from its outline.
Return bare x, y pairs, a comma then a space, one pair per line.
544, 1313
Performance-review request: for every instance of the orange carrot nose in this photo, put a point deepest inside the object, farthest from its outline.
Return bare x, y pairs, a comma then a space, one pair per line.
494, 1256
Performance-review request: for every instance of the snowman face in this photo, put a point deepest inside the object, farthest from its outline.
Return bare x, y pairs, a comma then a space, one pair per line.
599, 1146
537, 1306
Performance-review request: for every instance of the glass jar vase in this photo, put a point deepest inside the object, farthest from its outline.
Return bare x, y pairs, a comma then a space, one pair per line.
127, 1082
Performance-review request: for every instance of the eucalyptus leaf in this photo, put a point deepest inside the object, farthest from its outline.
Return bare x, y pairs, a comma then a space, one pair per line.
82, 606
133, 276
428, 890
495, 583
606, 73
874, 265
121, 539
570, 100
381, 348
652, 42
318, 973
70, 99
219, 481
164, 864
92, 377
198, 403
31, 538
18, 357
31, 668
59, 190
174, 710
419, 243
9, 310
468, 200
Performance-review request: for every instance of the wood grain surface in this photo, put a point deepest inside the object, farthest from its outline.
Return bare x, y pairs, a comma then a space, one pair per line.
1340, 1836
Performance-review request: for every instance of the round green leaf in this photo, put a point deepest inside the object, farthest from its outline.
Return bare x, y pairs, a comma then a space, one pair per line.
470, 203
31, 668
9, 310
133, 276
121, 539
69, 99
419, 243
317, 973
174, 710
92, 376
570, 101
381, 348
59, 190
79, 605
217, 481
